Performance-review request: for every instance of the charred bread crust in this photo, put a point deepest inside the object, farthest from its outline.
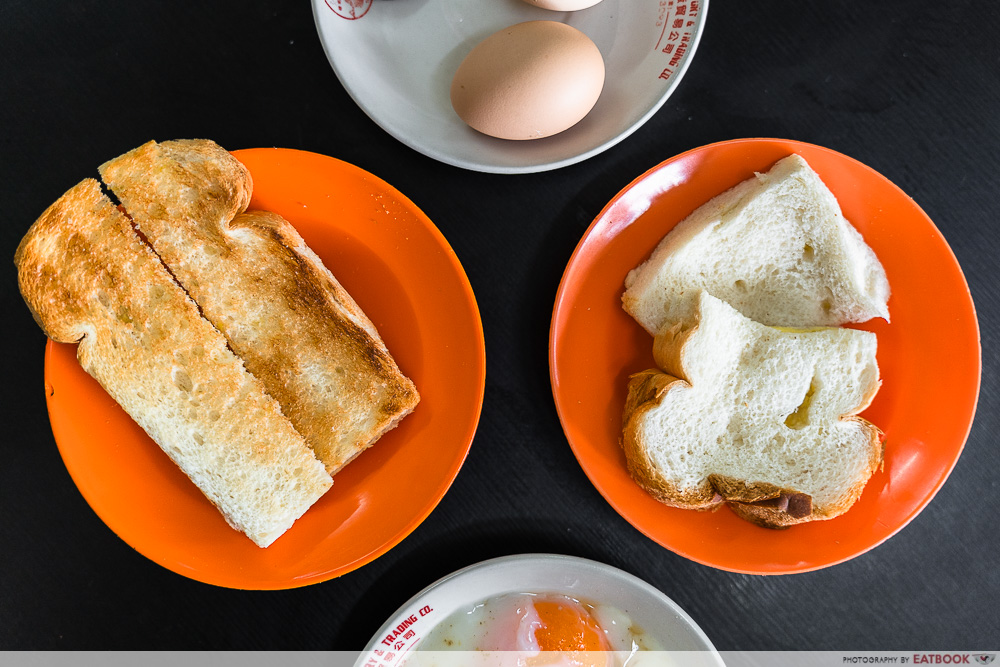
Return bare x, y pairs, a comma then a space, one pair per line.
88, 278
282, 311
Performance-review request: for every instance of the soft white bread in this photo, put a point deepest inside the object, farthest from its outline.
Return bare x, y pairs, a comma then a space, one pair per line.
761, 417
88, 278
776, 247
281, 310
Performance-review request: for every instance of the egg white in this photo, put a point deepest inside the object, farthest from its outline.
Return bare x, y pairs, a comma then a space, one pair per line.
506, 623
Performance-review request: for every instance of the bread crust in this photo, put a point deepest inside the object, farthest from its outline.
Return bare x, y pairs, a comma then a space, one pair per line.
669, 345
755, 500
746, 498
281, 310
87, 278
766, 516
646, 390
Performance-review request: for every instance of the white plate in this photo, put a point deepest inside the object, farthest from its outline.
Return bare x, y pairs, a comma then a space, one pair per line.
396, 58
650, 609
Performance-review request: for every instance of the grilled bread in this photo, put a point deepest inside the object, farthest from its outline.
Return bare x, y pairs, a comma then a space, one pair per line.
776, 247
89, 279
759, 417
281, 310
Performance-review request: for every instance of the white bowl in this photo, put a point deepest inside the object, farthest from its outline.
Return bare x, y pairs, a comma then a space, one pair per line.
396, 58
650, 609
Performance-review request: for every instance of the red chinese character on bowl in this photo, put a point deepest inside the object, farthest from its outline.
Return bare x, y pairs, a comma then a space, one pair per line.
349, 9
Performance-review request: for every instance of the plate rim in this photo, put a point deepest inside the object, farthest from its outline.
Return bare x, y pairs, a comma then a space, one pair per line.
235, 579
561, 302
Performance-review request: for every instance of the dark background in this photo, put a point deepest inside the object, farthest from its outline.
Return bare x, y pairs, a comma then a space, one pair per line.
909, 87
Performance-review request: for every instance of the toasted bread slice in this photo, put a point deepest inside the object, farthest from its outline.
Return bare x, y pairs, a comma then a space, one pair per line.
776, 247
761, 417
87, 277
280, 308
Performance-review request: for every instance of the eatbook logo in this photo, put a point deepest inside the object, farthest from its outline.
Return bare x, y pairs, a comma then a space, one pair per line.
985, 658
349, 9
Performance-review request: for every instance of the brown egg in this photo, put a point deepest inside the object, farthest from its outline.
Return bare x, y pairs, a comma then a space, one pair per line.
563, 5
528, 81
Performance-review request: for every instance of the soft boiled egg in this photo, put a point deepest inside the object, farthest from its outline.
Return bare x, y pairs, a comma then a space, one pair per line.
539, 629
528, 81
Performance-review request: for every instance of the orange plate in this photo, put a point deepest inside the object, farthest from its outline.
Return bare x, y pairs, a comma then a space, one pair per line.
594, 346
401, 270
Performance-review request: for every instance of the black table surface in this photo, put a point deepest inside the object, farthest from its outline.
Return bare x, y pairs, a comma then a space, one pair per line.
909, 87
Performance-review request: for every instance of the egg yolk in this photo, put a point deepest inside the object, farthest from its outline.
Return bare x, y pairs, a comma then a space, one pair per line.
570, 629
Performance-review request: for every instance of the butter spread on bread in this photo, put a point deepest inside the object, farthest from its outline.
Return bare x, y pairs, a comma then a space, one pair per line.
776, 247
88, 278
761, 418
281, 310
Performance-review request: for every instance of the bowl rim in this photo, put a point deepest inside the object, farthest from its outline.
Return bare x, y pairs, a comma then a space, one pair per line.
557, 561
484, 166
